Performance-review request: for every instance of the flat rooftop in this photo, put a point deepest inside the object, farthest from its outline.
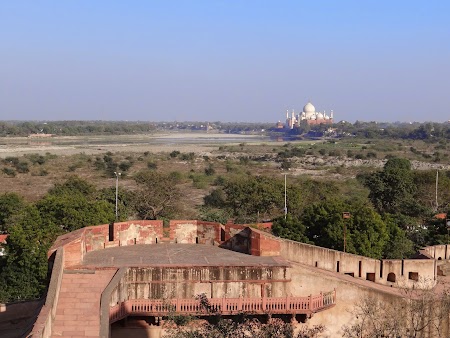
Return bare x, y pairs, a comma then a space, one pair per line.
170, 254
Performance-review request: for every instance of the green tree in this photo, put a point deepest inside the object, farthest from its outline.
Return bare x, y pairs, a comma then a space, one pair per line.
399, 246
392, 190
75, 204
365, 231
157, 195
23, 271
10, 204
368, 232
252, 195
290, 228
125, 198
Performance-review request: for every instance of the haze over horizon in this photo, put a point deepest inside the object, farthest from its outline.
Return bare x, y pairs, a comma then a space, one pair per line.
224, 61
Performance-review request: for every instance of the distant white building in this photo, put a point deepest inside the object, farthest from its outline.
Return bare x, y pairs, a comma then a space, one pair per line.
309, 115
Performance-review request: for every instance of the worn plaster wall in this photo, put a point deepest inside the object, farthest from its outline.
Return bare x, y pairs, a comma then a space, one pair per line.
438, 252
262, 244
328, 259
208, 232
240, 241
307, 280
410, 272
215, 282
183, 231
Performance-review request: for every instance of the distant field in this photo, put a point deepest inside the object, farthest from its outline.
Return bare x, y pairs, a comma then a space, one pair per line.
30, 166
91, 145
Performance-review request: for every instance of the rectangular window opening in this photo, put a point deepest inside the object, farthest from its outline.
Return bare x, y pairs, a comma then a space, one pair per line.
370, 276
413, 276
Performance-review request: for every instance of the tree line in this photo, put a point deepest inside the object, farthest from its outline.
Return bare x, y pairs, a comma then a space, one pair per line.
428, 131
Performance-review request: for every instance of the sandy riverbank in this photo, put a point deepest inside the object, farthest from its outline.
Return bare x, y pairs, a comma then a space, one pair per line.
159, 142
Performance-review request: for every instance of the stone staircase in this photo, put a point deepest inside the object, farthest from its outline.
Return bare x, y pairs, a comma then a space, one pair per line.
78, 308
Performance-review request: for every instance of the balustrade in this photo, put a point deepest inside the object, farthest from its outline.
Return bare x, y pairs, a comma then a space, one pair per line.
285, 305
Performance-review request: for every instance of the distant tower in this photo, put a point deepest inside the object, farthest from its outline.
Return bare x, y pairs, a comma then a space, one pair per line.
331, 114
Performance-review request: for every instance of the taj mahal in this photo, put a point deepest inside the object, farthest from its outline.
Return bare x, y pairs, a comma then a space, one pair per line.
309, 115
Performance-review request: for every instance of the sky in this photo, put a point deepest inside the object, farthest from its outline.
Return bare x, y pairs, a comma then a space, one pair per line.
230, 61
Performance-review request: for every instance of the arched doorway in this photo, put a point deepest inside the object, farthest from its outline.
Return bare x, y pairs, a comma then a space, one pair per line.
391, 277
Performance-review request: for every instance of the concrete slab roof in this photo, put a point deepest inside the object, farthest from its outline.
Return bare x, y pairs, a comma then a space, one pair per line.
168, 254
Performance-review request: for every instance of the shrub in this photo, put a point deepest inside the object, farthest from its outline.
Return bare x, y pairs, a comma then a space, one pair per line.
99, 164
11, 160
125, 166
152, 165
36, 159
285, 165
176, 176
22, 167
174, 153
210, 171
187, 157
9, 172
244, 160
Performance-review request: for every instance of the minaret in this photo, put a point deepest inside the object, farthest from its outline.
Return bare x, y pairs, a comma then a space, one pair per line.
331, 114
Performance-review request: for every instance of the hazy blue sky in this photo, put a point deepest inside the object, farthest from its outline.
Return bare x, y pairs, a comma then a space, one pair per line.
235, 60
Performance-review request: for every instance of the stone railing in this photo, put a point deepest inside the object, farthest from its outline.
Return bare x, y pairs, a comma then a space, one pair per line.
224, 306
43, 325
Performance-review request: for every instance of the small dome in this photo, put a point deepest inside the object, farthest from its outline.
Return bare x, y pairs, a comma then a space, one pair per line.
320, 116
309, 108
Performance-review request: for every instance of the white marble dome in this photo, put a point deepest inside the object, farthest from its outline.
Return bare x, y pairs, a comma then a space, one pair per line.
309, 108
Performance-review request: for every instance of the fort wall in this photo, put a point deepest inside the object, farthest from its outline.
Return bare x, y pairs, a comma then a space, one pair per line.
439, 252
43, 326
406, 273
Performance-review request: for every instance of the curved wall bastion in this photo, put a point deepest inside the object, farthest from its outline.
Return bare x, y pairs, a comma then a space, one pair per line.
104, 276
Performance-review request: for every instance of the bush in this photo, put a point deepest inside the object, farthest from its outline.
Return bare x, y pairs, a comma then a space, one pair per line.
187, 157
9, 172
176, 176
99, 164
22, 167
199, 181
36, 159
152, 165
72, 167
334, 152
220, 180
210, 171
244, 160
125, 166
11, 160
285, 165
174, 153
230, 167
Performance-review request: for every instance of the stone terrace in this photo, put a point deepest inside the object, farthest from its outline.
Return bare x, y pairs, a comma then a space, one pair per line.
166, 254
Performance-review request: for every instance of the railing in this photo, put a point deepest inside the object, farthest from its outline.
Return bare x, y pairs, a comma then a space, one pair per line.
225, 306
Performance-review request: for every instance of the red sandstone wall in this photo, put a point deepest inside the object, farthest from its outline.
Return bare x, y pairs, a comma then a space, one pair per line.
262, 245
